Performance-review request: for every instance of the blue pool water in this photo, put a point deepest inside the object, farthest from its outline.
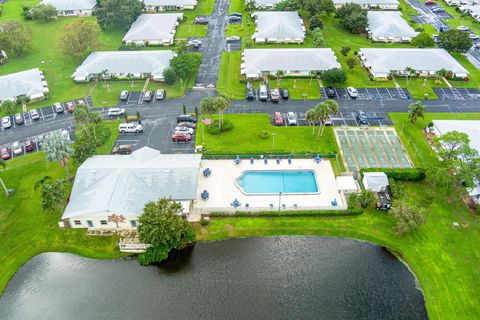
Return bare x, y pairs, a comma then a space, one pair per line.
300, 181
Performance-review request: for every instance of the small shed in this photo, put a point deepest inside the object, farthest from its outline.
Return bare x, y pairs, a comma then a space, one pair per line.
347, 184
375, 181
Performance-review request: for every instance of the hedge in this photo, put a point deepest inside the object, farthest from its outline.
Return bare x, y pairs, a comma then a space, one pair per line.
297, 213
401, 174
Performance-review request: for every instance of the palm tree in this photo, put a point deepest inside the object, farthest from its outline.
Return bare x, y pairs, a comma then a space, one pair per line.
416, 109
58, 149
208, 105
312, 118
103, 76
222, 104
410, 72
3, 165
313, 74
324, 110
279, 74
442, 73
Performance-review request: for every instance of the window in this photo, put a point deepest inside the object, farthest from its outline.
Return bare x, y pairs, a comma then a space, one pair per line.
133, 223
103, 222
90, 223
77, 222
69, 12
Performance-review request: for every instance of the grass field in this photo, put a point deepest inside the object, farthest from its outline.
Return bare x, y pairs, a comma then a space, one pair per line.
26, 230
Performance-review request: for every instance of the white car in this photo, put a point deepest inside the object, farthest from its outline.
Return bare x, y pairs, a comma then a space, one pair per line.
352, 92
184, 130
34, 114
124, 95
6, 122
160, 94
291, 118
462, 28
112, 112
17, 148
130, 128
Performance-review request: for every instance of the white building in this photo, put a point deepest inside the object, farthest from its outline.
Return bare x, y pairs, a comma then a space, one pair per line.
293, 61
121, 185
472, 129
265, 4
169, 5
473, 10
29, 83
121, 64
72, 7
153, 29
389, 26
370, 4
278, 27
383, 62
375, 181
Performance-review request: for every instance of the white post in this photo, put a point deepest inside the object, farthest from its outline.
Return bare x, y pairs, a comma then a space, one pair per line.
4, 187
273, 141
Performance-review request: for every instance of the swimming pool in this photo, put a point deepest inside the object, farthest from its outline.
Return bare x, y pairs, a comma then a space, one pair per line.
274, 182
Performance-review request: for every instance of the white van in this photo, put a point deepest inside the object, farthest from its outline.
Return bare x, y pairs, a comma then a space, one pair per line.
130, 128
262, 93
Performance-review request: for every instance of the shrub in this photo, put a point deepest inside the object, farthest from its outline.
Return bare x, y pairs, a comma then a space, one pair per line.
396, 189
103, 133
204, 222
297, 213
153, 255
215, 129
316, 22
345, 50
400, 174
264, 135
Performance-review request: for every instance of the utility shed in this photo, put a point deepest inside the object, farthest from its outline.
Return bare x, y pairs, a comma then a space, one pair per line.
375, 181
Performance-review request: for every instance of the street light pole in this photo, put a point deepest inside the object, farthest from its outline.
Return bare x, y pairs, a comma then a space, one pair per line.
279, 201
273, 140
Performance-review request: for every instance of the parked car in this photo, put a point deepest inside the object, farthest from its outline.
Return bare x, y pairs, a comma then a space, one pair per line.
250, 95
113, 112
352, 92
34, 114
233, 39
361, 117
160, 94
17, 148
6, 122
29, 146
70, 107
330, 92
284, 93
234, 19
58, 107
124, 95
122, 149
383, 202
181, 137
187, 124
443, 28
201, 20
292, 119
18, 117
4, 154
438, 9
473, 36
275, 95
262, 93
236, 14
184, 130
429, 3
463, 28
278, 119
186, 118
130, 128
148, 96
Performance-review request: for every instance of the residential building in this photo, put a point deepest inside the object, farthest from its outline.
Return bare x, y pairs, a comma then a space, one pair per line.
389, 26
153, 29
473, 10
370, 4
121, 185
169, 5
257, 63
72, 7
28, 84
265, 4
278, 27
123, 64
383, 62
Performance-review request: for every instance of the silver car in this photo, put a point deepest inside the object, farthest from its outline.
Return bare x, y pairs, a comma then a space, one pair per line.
34, 114
6, 122
184, 130
352, 92
291, 119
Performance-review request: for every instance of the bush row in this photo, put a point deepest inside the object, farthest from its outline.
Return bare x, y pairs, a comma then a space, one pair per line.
401, 174
297, 213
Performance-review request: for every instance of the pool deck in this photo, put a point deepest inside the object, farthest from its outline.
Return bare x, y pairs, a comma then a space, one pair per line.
223, 190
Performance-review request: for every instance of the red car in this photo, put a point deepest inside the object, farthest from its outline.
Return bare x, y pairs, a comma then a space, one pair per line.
278, 119
4, 154
429, 3
29, 146
178, 137
70, 107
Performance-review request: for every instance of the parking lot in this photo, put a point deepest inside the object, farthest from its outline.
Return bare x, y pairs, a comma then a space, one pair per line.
344, 119
233, 46
457, 93
371, 94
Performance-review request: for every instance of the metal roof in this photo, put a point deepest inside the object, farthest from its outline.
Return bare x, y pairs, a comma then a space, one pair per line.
153, 27
63, 5
367, 2
267, 2
278, 24
123, 62
384, 60
170, 2
294, 59
125, 183
375, 181
28, 83
389, 24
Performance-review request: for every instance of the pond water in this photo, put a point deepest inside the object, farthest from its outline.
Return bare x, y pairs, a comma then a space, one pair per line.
257, 278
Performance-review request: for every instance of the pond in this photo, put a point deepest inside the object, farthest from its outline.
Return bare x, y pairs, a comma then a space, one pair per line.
256, 278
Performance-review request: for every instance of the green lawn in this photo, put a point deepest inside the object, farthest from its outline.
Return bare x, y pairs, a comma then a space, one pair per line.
26, 230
